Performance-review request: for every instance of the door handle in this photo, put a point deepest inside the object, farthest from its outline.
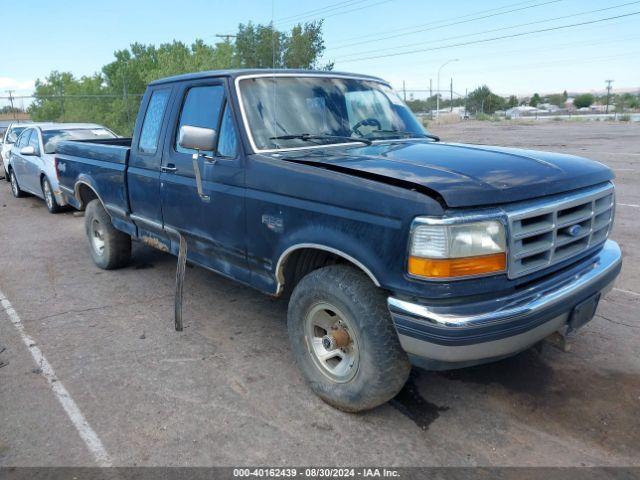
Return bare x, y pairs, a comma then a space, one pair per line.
169, 168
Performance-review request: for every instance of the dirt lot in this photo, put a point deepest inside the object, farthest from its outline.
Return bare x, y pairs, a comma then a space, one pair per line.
226, 392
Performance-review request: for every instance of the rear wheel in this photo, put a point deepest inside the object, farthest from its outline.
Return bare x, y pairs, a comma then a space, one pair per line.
49, 197
344, 341
15, 187
109, 248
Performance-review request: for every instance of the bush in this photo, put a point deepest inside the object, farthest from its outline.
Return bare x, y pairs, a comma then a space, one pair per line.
584, 100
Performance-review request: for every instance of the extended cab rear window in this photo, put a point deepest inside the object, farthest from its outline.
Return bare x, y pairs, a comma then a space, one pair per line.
153, 121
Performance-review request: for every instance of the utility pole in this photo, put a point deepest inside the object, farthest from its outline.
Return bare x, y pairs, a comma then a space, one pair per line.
404, 91
227, 37
465, 101
609, 82
13, 111
430, 96
451, 96
438, 86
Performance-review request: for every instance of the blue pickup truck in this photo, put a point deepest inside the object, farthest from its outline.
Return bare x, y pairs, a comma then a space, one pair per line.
393, 248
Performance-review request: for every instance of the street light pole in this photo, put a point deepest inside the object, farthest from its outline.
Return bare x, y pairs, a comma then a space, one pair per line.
438, 86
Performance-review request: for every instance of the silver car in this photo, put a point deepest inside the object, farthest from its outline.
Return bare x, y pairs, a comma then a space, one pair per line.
31, 165
10, 136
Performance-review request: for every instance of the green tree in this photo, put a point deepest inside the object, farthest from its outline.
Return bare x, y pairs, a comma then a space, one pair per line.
112, 97
584, 100
535, 100
557, 99
483, 100
627, 100
512, 101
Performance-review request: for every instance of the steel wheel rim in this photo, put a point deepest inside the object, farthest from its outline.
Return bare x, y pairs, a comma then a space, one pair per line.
339, 364
14, 184
97, 237
48, 197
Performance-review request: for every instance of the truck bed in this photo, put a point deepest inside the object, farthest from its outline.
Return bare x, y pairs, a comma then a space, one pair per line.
99, 164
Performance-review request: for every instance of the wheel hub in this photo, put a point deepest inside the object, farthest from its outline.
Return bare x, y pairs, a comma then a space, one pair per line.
332, 342
47, 194
97, 237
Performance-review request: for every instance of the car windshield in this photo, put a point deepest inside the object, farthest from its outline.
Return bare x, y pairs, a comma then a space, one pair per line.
51, 138
292, 112
14, 133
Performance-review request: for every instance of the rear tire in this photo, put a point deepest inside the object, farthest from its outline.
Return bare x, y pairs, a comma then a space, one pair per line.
15, 187
109, 248
339, 298
49, 197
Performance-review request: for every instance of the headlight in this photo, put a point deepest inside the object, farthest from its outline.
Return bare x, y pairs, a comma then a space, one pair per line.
458, 250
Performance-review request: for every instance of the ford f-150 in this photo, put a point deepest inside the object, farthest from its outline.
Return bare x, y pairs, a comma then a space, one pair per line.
393, 247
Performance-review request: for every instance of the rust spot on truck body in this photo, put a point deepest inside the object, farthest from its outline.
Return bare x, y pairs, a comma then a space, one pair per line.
154, 242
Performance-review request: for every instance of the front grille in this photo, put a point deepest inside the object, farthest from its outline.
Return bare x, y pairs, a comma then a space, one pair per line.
544, 233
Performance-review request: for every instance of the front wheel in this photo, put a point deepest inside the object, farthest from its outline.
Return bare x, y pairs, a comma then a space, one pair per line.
344, 341
109, 248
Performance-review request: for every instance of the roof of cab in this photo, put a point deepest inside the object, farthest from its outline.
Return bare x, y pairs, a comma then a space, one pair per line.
258, 71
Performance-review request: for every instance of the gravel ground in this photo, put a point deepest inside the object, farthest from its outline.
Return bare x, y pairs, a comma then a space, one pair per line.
226, 391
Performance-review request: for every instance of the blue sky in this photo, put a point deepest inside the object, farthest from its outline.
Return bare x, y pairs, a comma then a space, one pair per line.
81, 36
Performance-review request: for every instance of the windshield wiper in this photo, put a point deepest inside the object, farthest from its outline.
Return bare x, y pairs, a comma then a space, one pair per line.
308, 137
408, 134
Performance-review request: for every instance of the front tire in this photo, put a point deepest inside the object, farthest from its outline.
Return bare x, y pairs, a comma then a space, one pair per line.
49, 197
109, 248
15, 187
344, 341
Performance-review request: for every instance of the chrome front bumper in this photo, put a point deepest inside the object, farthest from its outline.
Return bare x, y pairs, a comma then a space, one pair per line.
450, 336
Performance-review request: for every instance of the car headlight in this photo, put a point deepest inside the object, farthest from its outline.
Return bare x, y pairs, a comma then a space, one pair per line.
457, 250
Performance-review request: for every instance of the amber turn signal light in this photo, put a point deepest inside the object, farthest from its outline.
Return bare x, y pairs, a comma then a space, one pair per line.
457, 267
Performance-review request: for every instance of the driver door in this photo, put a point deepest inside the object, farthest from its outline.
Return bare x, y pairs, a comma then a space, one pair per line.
212, 223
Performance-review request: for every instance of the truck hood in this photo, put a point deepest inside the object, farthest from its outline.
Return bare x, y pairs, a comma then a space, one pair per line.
463, 175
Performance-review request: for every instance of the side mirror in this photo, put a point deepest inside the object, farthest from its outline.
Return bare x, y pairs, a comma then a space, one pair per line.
12, 137
27, 151
197, 138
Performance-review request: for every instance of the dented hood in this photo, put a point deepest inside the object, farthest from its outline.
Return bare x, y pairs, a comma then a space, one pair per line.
463, 175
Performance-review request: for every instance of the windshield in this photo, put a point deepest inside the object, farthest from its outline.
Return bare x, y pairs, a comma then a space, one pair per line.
51, 138
323, 106
14, 133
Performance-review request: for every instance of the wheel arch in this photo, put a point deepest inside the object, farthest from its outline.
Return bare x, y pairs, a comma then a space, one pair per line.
299, 259
85, 192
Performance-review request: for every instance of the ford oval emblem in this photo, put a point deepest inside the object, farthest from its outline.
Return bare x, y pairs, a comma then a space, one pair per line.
574, 230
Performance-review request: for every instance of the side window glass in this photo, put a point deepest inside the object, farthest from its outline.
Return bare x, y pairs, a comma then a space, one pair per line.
227, 139
34, 142
153, 121
201, 109
23, 141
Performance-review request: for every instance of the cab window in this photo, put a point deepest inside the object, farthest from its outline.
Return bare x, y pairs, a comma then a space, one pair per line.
152, 123
201, 108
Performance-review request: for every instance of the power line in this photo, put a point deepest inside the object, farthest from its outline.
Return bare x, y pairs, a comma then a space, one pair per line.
457, 17
537, 22
323, 17
315, 11
502, 37
422, 30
